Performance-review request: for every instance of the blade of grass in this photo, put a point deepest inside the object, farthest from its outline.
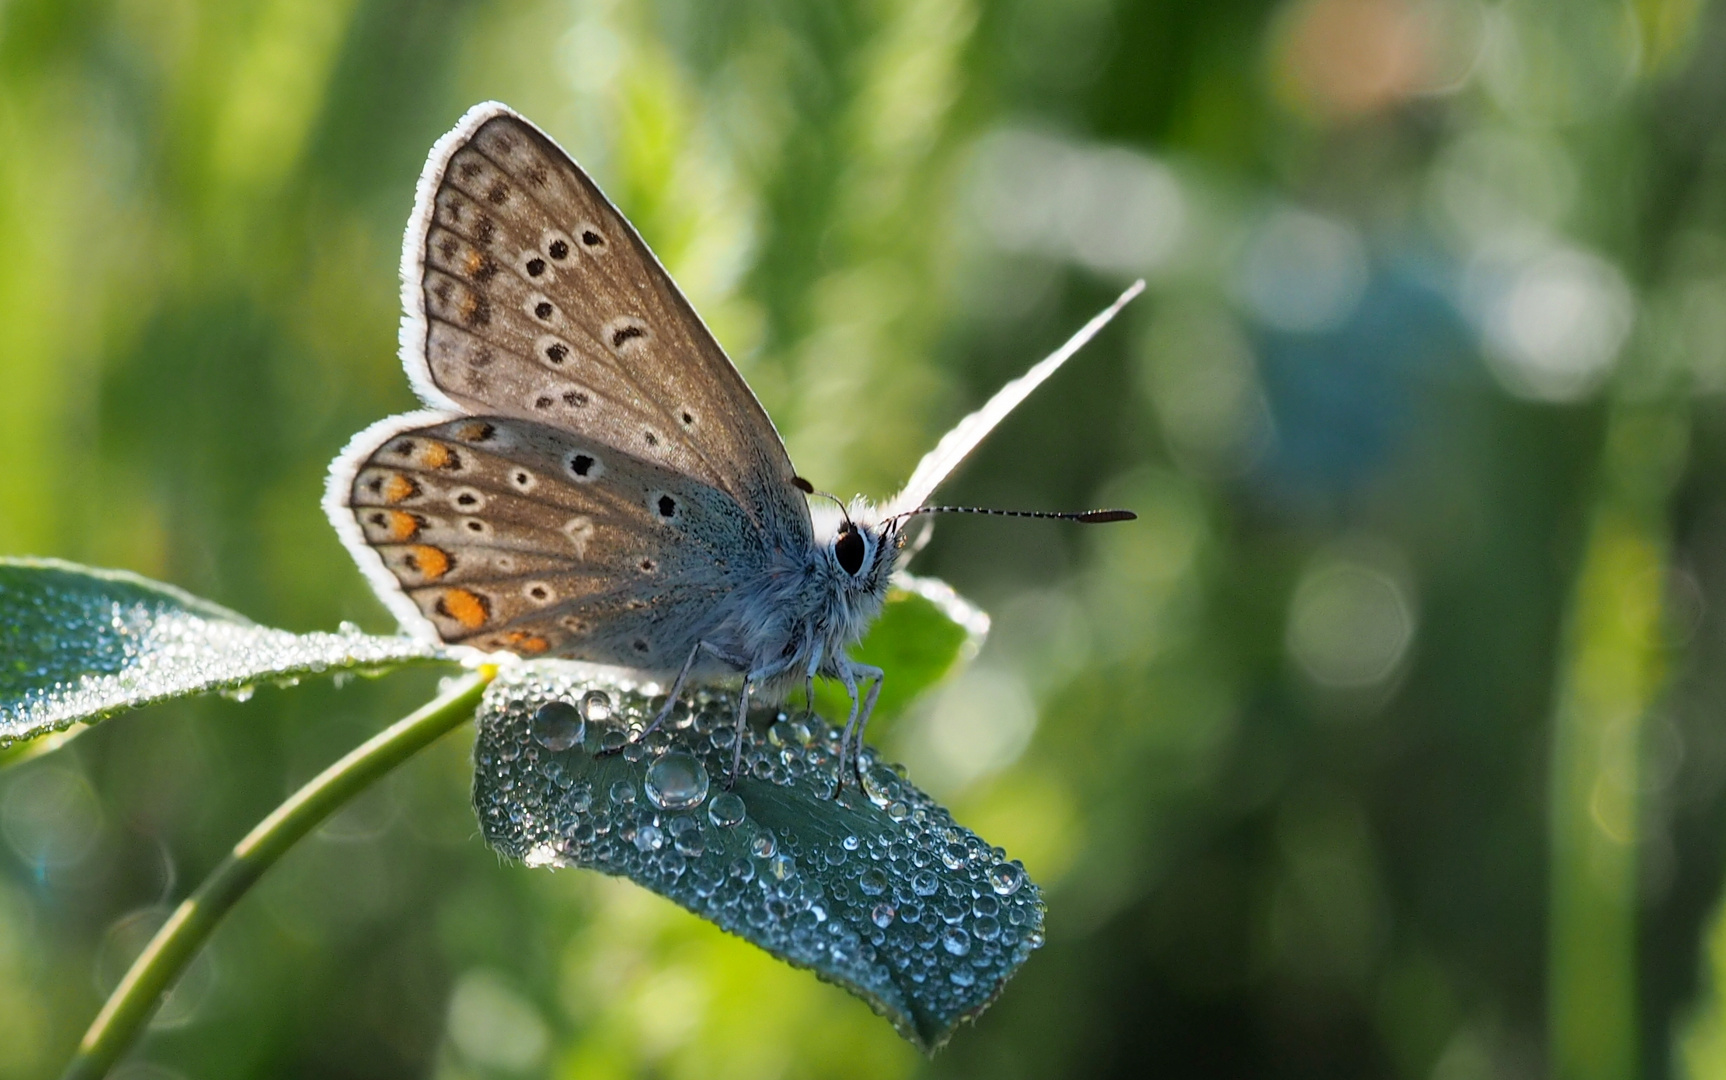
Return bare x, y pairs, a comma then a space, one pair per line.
130, 1006
1613, 672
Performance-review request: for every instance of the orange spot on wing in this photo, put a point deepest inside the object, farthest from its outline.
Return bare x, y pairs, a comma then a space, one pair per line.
436, 455
398, 487
522, 641
431, 562
473, 261
469, 609
402, 525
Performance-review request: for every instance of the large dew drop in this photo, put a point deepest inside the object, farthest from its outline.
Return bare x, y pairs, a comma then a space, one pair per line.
1006, 878
956, 941
677, 781
726, 810
596, 706
557, 725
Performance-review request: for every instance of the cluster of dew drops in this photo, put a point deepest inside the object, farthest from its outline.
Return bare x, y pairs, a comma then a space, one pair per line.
78, 651
909, 903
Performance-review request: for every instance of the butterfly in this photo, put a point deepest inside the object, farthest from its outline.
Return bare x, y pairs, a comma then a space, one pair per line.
592, 478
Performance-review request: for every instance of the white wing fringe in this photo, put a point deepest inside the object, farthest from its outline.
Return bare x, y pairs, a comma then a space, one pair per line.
958, 443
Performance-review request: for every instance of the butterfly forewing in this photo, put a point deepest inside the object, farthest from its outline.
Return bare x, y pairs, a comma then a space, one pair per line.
511, 535
529, 295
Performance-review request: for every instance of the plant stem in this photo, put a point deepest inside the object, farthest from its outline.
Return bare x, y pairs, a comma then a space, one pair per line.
135, 999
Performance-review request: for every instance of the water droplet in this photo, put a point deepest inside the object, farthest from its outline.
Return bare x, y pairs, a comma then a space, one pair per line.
898, 811
987, 928
882, 915
763, 846
681, 718
541, 855
781, 867
788, 733
742, 870
961, 977
1005, 878
686, 836
240, 693
622, 792
613, 741
707, 879
953, 855
956, 941
649, 838
580, 797
872, 881
596, 706
726, 810
851, 843
881, 784
676, 781
556, 725
925, 884
985, 905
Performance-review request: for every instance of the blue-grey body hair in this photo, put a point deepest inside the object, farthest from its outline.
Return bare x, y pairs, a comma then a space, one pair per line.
804, 610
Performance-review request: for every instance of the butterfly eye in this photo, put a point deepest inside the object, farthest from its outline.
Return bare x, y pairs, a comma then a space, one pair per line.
849, 549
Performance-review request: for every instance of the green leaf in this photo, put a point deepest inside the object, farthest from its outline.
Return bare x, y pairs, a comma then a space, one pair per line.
879, 891
78, 645
923, 631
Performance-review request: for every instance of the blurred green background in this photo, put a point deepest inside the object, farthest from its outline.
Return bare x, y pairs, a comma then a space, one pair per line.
1391, 740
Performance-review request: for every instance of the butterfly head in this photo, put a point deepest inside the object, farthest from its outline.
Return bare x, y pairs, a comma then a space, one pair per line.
859, 549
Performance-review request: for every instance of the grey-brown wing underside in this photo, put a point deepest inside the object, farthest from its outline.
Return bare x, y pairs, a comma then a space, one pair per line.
510, 535
528, 294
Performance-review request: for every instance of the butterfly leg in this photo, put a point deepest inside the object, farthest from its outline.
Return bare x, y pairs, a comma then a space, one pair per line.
677, 687
809, 683
742, 729
851, 739
750, 680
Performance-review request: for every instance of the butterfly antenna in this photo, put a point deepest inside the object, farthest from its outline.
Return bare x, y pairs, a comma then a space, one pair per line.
809, 489
1084, 517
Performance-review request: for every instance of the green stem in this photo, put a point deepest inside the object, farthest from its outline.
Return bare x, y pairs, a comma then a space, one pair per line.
135, 999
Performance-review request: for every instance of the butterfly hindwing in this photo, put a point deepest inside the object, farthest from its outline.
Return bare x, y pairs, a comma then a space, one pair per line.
510, 535
528, 295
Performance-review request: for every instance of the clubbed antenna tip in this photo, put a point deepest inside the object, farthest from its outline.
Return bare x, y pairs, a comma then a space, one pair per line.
1103, 517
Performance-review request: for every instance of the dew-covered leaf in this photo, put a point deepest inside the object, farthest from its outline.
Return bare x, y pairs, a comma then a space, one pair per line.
924, 629
879, 891
78, 644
